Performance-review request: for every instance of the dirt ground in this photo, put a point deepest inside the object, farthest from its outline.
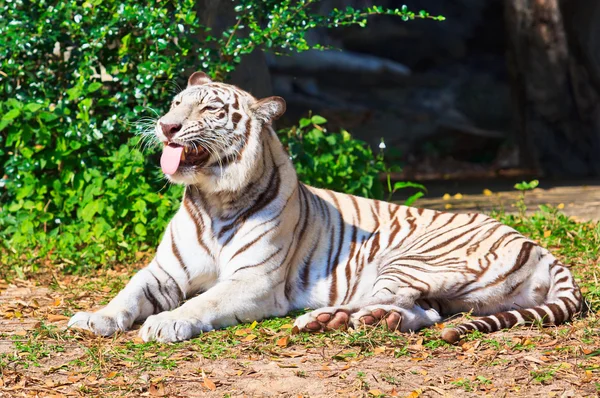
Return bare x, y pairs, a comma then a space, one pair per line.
576, 198
38, 357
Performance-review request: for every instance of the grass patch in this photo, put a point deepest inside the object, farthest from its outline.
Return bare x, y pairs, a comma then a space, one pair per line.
119, 364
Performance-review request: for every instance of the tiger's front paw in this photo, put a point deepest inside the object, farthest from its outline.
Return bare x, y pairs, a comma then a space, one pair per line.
167, 327
101, 324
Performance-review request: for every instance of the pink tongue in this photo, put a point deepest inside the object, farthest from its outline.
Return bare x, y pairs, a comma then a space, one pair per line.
169, 161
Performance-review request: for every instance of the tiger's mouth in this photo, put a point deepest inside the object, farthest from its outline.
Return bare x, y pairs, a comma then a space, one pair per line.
176, 156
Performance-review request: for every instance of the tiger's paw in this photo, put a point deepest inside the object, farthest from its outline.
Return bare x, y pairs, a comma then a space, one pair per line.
327, 318
101, 324
389, 316
167, 327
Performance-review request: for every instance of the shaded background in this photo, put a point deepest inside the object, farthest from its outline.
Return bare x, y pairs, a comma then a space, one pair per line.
501, 88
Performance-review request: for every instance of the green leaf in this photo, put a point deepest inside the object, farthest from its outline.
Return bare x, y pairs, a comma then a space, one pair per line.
33, 107
94, 87
304, 122
140, 229
403, 184
413, 198
11, 115
527, 186
316, 119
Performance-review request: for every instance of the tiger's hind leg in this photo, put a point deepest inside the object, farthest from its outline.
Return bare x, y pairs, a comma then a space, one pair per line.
326, 318
392, 316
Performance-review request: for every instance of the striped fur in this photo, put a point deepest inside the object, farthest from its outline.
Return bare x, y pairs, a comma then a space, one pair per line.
250, 241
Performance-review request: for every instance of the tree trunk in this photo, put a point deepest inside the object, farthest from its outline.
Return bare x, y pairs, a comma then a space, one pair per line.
555, 82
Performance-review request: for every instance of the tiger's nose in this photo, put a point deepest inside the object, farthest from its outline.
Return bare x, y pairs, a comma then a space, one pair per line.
169, 130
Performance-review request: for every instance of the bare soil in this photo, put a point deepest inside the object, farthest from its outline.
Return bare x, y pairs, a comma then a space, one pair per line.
38, 357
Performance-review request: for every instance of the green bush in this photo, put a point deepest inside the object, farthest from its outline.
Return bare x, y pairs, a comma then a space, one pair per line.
76, 79
334, 161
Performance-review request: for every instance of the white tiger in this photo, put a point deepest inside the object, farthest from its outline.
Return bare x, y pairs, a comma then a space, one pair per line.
250, 241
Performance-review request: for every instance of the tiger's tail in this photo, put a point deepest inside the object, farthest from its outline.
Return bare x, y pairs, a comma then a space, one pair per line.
563, 302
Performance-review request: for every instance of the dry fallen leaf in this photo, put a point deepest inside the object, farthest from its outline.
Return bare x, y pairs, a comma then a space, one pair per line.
548, 344
157, 390
291, 354
57, 318
74, 378
534, 360
587, 377
287, 365
287, 326
111, 375
565, 365
414, 394
283, 342
438, 390
207, 382
547, 233
250, 337
137, 340
375, 392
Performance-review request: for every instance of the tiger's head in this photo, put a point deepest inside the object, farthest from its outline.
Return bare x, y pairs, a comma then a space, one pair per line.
211, 136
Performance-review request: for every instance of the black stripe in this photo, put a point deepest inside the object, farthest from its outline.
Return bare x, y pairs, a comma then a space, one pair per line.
161, 289
259, 264
178, 255
180, 294
151, 299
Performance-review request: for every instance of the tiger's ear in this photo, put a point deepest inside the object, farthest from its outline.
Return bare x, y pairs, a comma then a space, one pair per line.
268, 109
198, 79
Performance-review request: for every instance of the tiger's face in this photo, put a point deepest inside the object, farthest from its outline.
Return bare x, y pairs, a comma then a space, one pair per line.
212, 128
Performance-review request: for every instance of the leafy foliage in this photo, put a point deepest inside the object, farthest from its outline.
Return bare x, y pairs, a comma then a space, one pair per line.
285, 29
335, 161
78, 80
527, 186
